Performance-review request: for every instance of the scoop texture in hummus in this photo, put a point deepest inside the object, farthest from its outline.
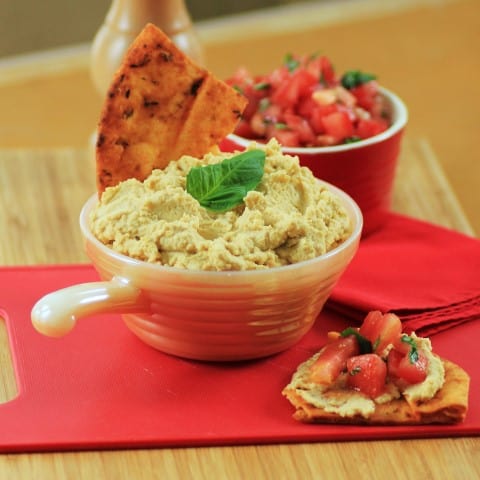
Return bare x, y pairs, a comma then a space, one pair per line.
288, 218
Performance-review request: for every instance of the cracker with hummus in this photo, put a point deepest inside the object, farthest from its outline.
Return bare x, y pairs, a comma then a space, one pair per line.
160, 106
377, 375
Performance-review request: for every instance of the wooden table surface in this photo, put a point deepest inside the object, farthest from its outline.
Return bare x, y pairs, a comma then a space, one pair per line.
46, 173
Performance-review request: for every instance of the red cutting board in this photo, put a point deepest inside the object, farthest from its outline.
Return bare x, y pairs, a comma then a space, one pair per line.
100, 387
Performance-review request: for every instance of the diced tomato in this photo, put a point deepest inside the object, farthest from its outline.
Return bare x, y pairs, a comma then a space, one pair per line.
288, 138
391, 330
244, 130
333, 359
323, 70
403, 346
298, 124
289, 93
370, 327
381, 329
251, 108
367, 373
317, 114
368, 127
401, 368
338, 124
273, 113
306, 106
365, 94
328, 73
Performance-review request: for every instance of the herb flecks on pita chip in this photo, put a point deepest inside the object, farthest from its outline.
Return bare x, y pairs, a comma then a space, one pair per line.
160, 106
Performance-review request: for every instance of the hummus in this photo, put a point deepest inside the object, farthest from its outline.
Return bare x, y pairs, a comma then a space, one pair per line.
288, 218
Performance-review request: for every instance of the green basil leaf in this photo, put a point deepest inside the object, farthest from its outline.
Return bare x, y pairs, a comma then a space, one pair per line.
223, 186
354, 78
264, 104
261, 86
291, 62
413, 353
352, 139
364, 344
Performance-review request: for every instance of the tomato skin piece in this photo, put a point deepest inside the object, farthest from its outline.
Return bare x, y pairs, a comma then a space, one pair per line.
317, 114
288, 138
391, 329
289, 93
381, 329
403, 372
367, 373
328, 72
338, 125
365, 94
243, 129
333, 359
369, 127
298, 124
322, 69
370, 327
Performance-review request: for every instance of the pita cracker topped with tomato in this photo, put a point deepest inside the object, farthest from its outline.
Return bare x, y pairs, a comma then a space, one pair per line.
160, 106
378, 375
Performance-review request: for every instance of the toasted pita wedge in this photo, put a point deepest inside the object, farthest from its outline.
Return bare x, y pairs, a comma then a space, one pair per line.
159, 107
449, 405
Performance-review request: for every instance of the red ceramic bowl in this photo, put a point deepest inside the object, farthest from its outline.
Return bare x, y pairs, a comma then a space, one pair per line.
365, 169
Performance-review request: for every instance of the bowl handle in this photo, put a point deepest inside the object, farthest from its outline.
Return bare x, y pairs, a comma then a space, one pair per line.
55, 314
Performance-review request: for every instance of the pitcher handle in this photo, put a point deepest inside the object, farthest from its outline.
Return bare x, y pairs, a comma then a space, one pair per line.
56, 313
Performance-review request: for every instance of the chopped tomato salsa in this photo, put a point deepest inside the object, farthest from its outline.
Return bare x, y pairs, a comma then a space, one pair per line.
304, 103
370, 356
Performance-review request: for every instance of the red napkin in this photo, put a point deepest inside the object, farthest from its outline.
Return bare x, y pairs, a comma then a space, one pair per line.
428, 275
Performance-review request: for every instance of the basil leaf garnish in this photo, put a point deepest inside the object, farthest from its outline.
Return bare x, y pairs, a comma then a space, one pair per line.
364, 344
352, 139
354, 78
413, 353
261, 86
291, 62
222, 186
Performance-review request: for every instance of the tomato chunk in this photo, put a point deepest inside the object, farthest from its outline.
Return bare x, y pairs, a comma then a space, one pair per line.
301, 126
366, 94
369, 127
333, 360
367, 373
338, 125
381, 329
403, 370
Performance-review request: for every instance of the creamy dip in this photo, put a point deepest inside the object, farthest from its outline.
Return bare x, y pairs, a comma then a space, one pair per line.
288, 218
